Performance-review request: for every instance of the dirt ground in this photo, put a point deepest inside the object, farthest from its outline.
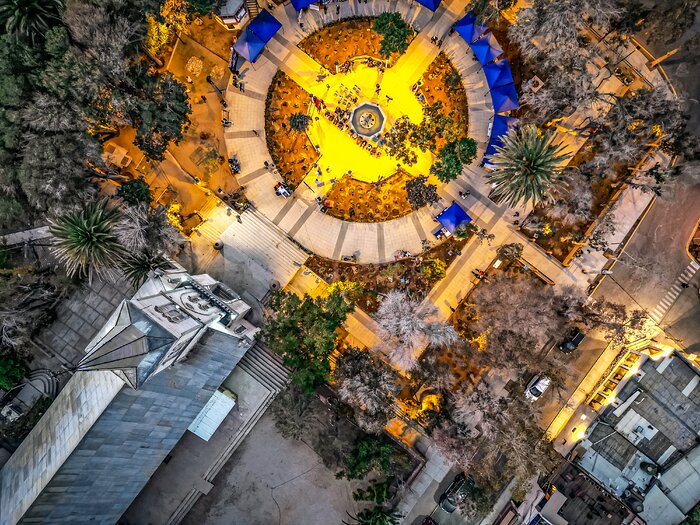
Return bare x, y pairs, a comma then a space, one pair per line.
377, 279
355, 200
213, 35
442, 83
343, 41
292, 152
273, 480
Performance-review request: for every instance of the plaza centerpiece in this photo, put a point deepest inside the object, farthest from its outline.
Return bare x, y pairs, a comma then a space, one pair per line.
367, 119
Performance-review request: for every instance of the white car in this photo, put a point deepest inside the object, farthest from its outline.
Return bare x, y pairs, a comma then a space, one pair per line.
537, 386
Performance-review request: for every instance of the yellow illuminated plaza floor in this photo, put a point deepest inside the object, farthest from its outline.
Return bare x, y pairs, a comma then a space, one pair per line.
340, 153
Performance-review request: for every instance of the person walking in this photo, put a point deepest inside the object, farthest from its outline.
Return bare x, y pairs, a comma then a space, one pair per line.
255, 132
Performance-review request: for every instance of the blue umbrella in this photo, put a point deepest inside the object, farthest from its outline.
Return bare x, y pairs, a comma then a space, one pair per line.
430, 4
469, 29
249, 46
301, 4
499, 128
452, 217
504, 98
486, 48
498, 73
265, 26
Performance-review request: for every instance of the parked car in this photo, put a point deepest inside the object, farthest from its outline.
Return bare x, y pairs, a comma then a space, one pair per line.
537, 386
428, 520
572, 341
453, 496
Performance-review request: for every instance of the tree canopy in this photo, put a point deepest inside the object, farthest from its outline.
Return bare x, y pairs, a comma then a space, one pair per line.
303, 332
395, 33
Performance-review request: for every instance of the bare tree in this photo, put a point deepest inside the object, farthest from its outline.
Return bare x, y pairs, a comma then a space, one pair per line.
620, 325
573, 204
407, 326
369, 386
517, 309
143, 227
550, 28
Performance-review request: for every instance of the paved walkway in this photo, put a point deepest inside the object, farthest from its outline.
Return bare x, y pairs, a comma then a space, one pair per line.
34, 234
300, 216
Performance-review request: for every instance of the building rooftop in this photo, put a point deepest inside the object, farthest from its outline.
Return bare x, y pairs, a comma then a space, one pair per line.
646, 440
578, 499
130, 401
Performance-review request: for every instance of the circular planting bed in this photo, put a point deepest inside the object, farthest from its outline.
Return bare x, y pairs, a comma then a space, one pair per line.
369, 132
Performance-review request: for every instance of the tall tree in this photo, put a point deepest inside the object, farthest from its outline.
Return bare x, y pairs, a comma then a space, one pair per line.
303, 332
29, 19
85, 241
395, 33
161, 115
407, 326
526, 167
368, 385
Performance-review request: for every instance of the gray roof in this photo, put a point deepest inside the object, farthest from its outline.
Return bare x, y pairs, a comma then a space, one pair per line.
130, 342
116, 441
667, 400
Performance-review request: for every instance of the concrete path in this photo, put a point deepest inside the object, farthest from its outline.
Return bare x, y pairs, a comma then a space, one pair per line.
34, 234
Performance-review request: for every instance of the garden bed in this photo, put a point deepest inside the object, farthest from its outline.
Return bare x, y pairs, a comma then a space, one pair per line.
407, 275
442, 83
355, 200
292, 152
341, 41
559, 235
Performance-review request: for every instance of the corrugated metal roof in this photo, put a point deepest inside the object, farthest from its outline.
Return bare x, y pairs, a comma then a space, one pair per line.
213, 413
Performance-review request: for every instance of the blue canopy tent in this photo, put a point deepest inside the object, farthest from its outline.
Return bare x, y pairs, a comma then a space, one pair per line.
452, 217
504, 98
499, 128
302, 4
265, 26
486, 48
469, 29
430, 4
498, 73
249, 45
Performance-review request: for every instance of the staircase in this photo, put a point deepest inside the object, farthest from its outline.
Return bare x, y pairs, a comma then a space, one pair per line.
267, 369
252, 7
44, 381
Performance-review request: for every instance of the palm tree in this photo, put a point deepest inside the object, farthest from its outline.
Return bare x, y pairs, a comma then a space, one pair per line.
526, 167
85, 242
137, 266
29, 19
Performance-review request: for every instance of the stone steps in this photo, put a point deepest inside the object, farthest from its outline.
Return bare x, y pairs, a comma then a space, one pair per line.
266, 367
45, 381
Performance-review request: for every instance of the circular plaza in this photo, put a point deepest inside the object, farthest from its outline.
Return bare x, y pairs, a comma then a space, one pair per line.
348, 128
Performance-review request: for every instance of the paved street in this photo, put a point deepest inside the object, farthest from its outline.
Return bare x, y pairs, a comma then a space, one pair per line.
654, 261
